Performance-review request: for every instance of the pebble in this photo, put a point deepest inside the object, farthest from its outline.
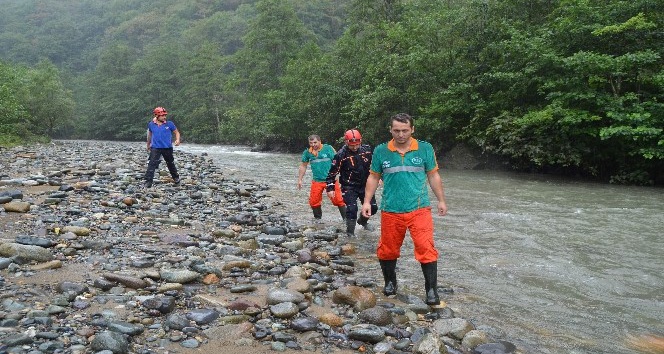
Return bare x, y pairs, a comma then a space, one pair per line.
182, 260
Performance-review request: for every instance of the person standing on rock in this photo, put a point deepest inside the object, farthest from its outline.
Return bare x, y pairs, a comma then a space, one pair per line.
319, 155
160, 136
406, 165
352, 164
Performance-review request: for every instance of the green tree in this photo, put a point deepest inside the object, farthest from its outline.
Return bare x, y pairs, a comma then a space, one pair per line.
202, 95
274, 38
49, 103
114, 101
14, 117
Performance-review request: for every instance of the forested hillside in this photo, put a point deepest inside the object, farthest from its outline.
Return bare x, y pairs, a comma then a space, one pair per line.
565, 86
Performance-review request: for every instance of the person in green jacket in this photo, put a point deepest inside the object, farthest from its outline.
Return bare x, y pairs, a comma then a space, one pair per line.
406, 166
320, 156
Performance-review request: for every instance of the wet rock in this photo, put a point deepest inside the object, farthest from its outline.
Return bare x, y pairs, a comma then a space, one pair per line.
246, 288
304, 256
126, 280
170, 287
278, 346
234, 319
54, 264
367, 333
77, 230
176, 321
243, 264
359, 298
163, 304
34, 241
12, 194
278, 270
474, 338
142, 263
103, 284
202, 268
125, 328
210, 279
202, 316
429, 343
300, 285
71, 287
495, 348
111, 341
5, 262
277, 296
273, 240
224, 233
16, 207
304, 324
284, 310
455, 327
17, 339
25, 253
331, 319
241, 305
284, 337
296, 272
181, 276
273, 230
190, 343
382, 347
376, 315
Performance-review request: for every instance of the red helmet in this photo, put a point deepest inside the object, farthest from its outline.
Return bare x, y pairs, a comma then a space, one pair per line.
353, 137
159, 111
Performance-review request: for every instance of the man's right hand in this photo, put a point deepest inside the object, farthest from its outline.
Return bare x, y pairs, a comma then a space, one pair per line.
330, 194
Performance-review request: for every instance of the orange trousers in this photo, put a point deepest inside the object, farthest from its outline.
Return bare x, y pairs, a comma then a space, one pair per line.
316, 194
393, 228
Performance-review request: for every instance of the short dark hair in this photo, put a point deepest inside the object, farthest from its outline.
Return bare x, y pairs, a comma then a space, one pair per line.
402, 118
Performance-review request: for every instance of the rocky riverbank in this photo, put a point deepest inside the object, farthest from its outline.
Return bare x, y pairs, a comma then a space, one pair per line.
90, 261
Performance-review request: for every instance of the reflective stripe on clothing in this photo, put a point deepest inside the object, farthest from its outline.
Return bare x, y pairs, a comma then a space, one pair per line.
320, 161
393, 231
404, 176
352, 167
402, 169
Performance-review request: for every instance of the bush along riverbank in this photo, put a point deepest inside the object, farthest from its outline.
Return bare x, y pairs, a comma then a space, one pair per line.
90, 261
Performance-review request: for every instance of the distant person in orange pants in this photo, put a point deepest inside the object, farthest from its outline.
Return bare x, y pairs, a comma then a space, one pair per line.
320, 156
406, 165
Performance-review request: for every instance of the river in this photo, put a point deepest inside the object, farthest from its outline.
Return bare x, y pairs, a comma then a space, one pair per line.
552, 265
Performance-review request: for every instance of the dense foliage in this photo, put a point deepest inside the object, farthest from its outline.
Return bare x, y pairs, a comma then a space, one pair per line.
34, 104
566, 86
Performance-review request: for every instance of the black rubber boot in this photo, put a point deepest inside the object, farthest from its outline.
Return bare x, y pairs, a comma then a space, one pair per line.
342, 211
364, 222
318, 212
389, 269
430, 271
350, 227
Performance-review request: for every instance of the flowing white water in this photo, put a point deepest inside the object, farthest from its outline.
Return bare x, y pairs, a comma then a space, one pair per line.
558, 266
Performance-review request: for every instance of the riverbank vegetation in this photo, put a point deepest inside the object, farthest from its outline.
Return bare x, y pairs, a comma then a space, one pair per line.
566, 86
